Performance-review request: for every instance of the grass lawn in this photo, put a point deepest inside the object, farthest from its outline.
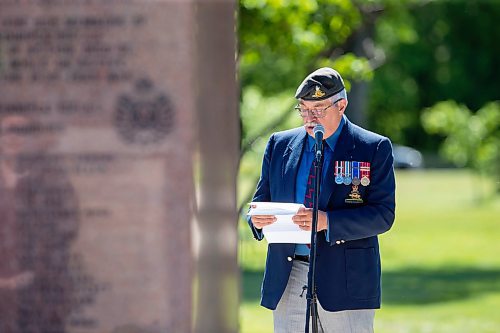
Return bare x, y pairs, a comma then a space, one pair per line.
440, 261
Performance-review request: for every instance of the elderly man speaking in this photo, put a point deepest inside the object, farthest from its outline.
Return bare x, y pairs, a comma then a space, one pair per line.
356, 204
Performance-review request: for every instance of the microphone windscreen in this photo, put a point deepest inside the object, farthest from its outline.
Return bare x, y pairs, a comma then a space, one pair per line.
319, 128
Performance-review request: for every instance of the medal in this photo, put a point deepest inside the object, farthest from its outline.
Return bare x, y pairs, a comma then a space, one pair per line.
365, 181
347, 178
355, 173
338, 173
365, 173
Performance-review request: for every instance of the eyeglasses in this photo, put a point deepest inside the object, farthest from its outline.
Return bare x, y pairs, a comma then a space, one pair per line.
318, 113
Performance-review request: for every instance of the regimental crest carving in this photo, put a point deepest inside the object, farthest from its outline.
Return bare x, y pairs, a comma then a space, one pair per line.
145, 116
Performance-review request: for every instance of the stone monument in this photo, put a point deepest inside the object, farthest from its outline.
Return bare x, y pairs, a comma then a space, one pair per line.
98, 102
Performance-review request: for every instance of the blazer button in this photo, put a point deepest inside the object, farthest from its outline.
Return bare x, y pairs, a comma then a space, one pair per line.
337, 242
289, 258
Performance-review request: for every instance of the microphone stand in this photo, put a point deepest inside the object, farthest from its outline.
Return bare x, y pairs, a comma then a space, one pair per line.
312, 299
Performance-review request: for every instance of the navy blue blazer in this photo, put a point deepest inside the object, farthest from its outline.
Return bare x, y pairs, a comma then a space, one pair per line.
348, 267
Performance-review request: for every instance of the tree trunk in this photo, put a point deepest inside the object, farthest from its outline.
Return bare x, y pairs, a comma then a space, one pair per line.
218, 128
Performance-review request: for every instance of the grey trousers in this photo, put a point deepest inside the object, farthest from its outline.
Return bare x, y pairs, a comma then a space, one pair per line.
290, 314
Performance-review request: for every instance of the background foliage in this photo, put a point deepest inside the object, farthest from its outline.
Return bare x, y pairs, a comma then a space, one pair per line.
448, 51
472, 139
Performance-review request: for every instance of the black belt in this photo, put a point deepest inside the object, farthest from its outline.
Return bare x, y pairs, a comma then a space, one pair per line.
301, 258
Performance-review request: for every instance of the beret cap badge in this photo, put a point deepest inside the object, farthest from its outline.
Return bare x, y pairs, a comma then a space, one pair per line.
318, 93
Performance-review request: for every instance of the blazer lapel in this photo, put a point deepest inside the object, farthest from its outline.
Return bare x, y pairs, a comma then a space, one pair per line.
291, 159
343, 149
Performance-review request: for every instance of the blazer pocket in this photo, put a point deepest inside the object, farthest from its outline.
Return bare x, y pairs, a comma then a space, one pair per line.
363, 280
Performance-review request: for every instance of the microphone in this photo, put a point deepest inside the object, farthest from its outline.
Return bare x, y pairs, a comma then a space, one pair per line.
319, 131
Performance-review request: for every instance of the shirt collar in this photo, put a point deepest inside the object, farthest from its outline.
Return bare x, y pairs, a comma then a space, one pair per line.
331, 141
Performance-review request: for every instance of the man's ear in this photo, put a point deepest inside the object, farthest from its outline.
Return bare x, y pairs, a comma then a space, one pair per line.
342, 104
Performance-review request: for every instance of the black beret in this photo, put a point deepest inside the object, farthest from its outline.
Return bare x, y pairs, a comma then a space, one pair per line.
320, 84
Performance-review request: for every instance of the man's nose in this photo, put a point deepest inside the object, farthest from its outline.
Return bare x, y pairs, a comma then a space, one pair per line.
311, 116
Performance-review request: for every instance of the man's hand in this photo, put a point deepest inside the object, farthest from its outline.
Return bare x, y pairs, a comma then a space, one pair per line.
303, 219
260, 221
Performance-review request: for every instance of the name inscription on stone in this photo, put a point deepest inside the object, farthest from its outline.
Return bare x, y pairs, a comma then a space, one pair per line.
96, 106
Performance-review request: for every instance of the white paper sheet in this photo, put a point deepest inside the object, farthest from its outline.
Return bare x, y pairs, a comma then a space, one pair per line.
283, 230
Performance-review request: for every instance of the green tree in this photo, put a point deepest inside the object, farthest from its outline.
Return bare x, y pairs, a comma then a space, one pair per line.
471, 139
435, 51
